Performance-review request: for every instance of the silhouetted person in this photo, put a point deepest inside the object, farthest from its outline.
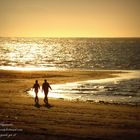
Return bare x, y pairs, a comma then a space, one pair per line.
36, 88
45, 88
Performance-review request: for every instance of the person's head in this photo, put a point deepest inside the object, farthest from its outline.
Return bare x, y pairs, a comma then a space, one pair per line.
45, 80
36, 81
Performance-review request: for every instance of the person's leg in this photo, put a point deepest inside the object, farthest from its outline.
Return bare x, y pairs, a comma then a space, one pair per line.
46, 98
36, 97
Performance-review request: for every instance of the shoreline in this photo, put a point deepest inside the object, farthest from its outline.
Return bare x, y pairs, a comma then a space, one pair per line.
63, 120
74, 95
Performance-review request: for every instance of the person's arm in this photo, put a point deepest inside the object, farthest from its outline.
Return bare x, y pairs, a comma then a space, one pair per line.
50, 87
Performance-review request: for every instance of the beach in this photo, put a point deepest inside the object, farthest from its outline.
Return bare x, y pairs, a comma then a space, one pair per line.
62, 120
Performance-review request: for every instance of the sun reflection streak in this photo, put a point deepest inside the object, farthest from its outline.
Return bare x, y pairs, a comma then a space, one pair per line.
21, 53
14, 68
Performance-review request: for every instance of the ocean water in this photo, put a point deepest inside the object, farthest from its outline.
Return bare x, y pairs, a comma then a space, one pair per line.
79, 53
69, 53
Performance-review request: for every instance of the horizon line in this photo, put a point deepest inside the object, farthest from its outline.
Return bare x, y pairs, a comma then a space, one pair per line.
65, 37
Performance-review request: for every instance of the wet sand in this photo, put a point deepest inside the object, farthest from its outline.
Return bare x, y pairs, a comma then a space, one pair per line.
61, 120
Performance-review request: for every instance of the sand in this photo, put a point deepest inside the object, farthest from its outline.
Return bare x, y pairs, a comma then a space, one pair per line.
62, 120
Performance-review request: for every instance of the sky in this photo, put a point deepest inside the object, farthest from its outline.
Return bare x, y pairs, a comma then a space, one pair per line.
69, 18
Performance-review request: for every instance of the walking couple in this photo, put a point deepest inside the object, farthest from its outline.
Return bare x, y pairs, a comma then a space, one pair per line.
45, 89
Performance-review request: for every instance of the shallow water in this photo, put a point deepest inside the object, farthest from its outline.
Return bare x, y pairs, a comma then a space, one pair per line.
122, 90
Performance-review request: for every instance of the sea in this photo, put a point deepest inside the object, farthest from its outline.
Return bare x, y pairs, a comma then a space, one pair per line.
116, 54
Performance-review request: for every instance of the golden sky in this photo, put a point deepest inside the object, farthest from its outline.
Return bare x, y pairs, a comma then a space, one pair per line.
70, 18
